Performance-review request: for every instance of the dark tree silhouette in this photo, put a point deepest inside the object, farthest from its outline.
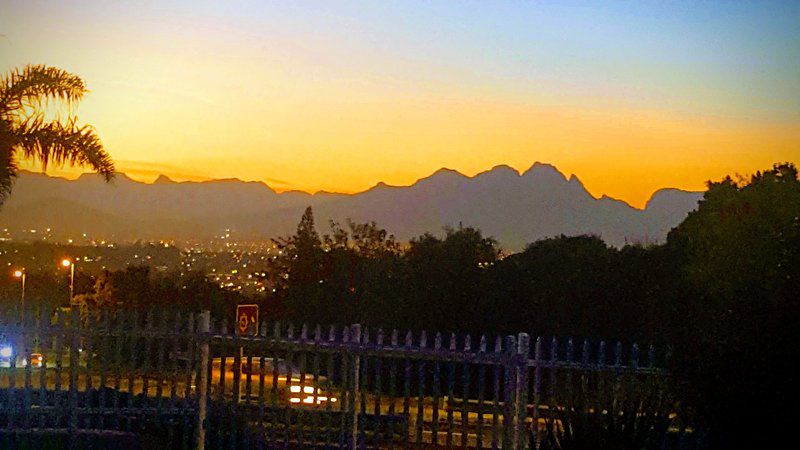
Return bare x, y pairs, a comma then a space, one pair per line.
741, 256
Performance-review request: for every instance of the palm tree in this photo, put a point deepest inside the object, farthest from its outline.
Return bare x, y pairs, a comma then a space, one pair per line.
25, 131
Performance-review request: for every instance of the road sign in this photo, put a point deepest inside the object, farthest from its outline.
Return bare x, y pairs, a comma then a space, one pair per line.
247, 320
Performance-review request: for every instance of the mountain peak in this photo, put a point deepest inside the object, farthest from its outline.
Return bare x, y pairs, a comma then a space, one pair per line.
504, 168
163, 179
671, 198
544, 170
444, 171
94, 176
442, 175
380, 185
577, 184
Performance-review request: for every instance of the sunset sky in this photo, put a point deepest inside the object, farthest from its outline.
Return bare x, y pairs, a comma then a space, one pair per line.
337, 96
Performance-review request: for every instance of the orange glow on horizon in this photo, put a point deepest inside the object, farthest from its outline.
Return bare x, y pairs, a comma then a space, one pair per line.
623, 154
310, 98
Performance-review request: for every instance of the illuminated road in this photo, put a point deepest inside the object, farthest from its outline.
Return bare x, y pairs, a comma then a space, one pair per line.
275, 393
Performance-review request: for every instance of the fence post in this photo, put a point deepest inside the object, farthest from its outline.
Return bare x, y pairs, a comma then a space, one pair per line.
509, 392
74, 364
203, 328
355, 338
537, 380
521, 385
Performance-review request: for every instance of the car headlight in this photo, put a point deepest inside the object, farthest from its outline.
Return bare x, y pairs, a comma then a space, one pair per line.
6, 351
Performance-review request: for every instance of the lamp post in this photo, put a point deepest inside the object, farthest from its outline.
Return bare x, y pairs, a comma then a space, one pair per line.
67, 263
20, 273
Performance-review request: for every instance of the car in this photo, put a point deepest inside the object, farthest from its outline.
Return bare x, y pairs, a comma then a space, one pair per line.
9, 357
6, 353
292, 387
36, 359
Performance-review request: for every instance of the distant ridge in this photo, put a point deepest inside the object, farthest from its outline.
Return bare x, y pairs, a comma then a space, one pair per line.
514, 207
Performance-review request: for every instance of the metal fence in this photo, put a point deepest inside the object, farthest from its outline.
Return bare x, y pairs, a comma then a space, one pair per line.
185, 381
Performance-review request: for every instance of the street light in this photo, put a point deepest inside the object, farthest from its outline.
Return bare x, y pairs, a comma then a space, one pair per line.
67, 263
20, 273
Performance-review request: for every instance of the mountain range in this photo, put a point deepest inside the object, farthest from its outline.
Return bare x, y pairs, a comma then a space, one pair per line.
515, 208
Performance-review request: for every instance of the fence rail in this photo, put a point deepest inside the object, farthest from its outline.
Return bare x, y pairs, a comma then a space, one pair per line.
186, 381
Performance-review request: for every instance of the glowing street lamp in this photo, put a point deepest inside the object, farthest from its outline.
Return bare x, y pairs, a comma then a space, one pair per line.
67, 263
20, 273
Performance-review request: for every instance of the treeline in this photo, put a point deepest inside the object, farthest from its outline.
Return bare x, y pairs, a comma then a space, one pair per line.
462, 282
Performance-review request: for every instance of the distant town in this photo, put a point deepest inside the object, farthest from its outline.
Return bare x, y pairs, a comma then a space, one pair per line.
236, 265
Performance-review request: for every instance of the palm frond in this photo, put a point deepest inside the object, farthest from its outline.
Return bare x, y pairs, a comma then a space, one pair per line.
64, 143
36, 83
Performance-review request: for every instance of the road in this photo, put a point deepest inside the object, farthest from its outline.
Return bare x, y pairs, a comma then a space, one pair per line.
276, 392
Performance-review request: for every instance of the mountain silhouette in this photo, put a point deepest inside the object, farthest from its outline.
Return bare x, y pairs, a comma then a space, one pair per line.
515, 208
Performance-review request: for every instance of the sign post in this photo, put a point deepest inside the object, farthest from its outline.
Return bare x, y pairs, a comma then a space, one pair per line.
246, 325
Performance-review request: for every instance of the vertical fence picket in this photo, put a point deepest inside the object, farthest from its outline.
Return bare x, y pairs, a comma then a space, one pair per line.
275, 422
236, 385
421, 390
315, 385
105, 342
43, 332
264, 432
203, 328
601, 366
355, 404
344, 404
74, 364
58, 343
289, 412
344, 388
393, 342
132, 340
27, 337
146, 362
521, 390
377, 390
361, 390
465, 380
552, 400
302, 361
174, 358
87, 349
247, 363
509, 391
570, 354
435, 385
13, 408
219, 410
188, 339
481, 388
537, 396
331, 378
160, 341
497, 397
450, 402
